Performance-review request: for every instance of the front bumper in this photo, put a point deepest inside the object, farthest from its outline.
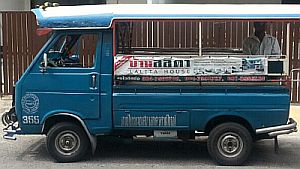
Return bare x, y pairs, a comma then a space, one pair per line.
11, 132
288, 128
11, 124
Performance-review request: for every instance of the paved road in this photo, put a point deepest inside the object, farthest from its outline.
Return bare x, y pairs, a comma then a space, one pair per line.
30, 152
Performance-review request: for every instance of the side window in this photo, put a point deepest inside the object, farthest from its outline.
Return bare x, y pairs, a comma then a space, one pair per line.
73, 50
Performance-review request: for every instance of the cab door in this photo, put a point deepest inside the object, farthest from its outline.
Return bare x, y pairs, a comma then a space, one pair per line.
71, 81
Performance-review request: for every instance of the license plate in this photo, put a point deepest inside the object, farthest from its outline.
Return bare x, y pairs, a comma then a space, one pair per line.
165, 133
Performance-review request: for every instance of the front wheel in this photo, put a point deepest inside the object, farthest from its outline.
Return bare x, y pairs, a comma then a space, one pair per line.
67, 142
229, 144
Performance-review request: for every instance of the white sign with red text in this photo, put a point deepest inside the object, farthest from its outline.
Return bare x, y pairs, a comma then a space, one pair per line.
188, 66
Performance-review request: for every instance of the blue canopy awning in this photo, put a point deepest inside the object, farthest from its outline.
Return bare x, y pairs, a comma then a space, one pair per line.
101, 16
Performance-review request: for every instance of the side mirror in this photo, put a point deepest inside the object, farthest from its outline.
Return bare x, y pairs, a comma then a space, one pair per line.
45, 60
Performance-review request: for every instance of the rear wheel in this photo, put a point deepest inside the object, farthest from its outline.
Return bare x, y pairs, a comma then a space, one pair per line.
229, 144
67, 142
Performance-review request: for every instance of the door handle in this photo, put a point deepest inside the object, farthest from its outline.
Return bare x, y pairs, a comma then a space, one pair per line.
94, 82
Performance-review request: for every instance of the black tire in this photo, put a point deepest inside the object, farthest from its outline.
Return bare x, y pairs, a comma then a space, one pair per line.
229, 144
67, 142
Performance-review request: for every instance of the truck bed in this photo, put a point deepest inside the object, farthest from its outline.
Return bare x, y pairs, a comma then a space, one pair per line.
195, 106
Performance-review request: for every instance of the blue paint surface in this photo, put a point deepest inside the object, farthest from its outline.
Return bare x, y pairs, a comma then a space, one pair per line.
67, 90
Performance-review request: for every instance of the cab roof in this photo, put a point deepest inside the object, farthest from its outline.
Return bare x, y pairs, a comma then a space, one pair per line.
102, 16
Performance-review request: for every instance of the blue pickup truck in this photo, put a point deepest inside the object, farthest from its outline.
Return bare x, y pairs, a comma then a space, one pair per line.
85, 84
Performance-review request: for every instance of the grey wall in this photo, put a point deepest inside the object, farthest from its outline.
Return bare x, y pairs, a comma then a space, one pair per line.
193, 1
12, 5
221, 1
126, 1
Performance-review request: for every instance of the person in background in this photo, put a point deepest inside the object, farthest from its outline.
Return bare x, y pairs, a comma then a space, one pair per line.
261, 43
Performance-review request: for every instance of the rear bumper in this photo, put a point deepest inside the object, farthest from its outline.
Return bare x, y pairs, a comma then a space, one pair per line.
288, 128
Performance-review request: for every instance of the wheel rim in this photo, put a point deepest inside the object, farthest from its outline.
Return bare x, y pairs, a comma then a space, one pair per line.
230, 144
67, 142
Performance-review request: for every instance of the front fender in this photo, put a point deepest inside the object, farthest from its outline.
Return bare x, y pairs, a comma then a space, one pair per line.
61, 112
